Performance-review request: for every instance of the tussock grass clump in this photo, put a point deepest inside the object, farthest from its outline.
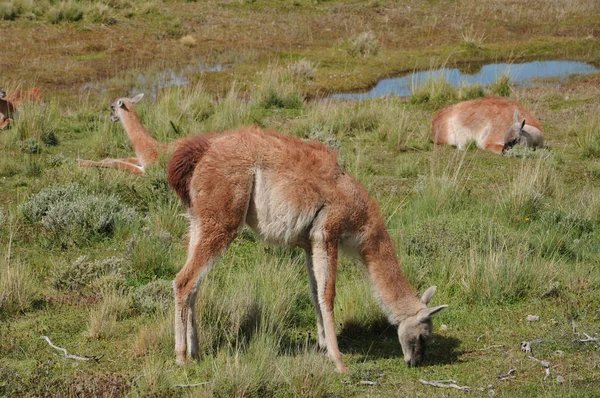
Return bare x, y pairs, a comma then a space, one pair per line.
188, 41
35, 126
471, 41
65, 11
82, 272
231, 112
151, 255
341, 120
443, 190
365, 45
470, 92
155, 297
435, 92
523, 199
71, 214
276, 89
502, 86
157, 334
588, 139
104, 316
18, 287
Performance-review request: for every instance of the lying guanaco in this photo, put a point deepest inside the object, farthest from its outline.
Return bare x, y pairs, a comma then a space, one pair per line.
494, 123
289, 192
147, 149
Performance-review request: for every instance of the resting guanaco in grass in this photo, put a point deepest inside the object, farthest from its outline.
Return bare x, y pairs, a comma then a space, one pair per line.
147, 149
494, 123
289, 192
9, 103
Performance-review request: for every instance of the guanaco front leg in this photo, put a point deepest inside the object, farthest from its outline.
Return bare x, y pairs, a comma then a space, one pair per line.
324, 256
314, 295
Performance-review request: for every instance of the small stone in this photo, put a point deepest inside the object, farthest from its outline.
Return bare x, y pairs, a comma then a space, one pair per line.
533, 318
560, 353
560, 379
545, 364
443, 327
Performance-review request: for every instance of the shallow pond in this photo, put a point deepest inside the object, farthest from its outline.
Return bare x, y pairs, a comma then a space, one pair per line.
523, 75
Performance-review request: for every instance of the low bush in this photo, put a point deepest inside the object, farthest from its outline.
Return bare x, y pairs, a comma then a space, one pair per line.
71, 214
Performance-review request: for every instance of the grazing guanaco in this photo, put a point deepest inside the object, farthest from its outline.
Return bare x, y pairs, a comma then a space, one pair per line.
289, 192
494, 123
9, 103
147, 149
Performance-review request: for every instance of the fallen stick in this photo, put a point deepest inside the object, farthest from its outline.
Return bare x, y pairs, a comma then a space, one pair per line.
69, 356
446, 384
508, 375
191, 385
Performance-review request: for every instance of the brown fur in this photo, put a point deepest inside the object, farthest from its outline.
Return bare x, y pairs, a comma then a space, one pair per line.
182, 164
9, 103
293, 193
484, 120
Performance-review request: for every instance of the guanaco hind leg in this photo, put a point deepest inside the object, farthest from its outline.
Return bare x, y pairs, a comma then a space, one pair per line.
213, 227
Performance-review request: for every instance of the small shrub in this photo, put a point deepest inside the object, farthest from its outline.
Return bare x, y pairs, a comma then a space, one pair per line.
82, 273
502, 86
365, 45
303, 70
523, 151
69, 211
154, 297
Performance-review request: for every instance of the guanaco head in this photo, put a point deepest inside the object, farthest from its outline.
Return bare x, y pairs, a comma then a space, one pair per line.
2, 93
123, 105
514, 135
415, 331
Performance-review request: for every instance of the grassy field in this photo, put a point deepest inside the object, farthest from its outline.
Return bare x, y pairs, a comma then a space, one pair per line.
87, 255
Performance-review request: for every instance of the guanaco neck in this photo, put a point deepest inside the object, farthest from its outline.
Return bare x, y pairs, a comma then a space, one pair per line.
145, 146
397, 297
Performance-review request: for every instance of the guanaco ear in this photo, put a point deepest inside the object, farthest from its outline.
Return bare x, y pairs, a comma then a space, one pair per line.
523, 124
428, 295
427, 313
516, 116
120, 104
137, 98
